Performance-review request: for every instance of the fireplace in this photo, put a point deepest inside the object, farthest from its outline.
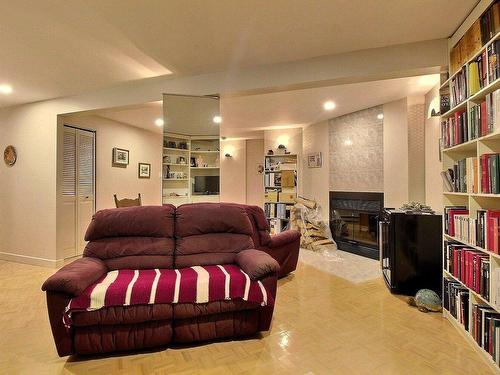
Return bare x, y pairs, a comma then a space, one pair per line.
354, 221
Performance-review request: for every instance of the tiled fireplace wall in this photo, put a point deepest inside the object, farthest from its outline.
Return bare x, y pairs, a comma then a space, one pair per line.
357, 152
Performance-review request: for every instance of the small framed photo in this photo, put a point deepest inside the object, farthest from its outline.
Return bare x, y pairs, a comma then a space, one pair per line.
120, 156
314, 160
144, 170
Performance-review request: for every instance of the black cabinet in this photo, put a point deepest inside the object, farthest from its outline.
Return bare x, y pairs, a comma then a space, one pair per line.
410, 251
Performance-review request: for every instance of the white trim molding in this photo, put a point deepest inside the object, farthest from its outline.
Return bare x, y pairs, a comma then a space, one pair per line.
34, 261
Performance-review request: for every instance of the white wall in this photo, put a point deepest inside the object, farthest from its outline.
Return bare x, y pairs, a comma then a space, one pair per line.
28, 197
433, 167
144, 147
28, 194
316, 180
233, 171
395, 153
255, 180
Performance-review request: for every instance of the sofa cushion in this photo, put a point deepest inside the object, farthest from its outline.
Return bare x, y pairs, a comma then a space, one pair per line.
260, 224
216, 326
211, 233
121, 337
201, 218
133, 252
144, 221
146, 313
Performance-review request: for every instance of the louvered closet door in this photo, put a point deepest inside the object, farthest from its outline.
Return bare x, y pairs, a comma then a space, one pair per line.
68, 191
78, 188
85, 184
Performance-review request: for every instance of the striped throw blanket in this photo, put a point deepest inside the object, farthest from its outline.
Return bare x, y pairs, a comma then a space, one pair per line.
198, 284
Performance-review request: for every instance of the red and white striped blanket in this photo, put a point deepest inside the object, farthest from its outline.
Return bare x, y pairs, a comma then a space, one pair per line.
198, 284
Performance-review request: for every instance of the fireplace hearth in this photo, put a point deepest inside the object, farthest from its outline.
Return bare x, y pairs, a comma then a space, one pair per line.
354, 221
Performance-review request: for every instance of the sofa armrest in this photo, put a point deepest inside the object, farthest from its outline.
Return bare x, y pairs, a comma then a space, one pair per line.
284, 238
256, 263
75, 277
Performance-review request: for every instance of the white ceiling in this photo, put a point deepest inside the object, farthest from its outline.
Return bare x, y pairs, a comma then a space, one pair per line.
299, 108
55, 48
141, 116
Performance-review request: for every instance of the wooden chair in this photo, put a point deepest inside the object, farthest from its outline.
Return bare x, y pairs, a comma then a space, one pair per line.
127, 202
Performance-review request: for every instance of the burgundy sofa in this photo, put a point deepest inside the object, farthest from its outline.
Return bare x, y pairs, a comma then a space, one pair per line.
165, 237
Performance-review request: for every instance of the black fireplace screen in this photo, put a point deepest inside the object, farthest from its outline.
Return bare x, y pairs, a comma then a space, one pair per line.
354, 217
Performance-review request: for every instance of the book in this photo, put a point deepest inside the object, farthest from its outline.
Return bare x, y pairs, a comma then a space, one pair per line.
447, 181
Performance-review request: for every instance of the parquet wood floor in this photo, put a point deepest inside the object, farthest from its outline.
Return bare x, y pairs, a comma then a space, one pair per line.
322, 325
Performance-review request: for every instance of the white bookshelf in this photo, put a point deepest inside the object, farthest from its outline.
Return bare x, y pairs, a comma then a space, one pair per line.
473, 201
273, 168
179, 173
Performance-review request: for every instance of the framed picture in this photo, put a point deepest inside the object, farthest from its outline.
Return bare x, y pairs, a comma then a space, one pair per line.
120, 156
314, 160
144, 170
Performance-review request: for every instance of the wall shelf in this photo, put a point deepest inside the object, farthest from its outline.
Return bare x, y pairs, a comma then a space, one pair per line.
182, 188
176, 149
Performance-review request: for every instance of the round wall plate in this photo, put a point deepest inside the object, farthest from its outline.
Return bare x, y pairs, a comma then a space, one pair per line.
10, 156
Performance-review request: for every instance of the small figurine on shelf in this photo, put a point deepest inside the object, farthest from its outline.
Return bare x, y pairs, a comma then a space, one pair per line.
199, 161
281, 150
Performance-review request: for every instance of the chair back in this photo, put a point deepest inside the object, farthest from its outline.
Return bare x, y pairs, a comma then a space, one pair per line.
127, 202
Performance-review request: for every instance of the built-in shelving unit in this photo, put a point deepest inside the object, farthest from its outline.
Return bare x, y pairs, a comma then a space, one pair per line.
185, 158
473, 200
280, 186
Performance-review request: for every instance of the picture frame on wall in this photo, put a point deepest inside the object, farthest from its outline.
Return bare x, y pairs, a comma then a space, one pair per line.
120, 156
314, 160
144, 170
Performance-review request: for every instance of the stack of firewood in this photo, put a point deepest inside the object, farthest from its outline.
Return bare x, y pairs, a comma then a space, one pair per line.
306, 218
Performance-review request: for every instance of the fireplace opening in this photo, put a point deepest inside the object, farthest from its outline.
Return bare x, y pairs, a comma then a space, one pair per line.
354, 221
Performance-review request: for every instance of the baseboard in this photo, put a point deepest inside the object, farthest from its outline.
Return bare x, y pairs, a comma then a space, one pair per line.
34, 261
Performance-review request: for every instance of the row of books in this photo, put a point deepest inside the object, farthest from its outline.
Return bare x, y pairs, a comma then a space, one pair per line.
493, 60
490, 173
478, 73
279, 210
462, 177
456, 301
485, 330
483, 119
458, 87
477, 36
468, 265
455, 130
272, 179
277, 226
482, 231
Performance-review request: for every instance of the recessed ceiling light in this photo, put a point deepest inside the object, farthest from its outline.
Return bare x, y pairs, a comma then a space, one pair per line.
380, 116
328, 105
5, 89
159, 122
217, 119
